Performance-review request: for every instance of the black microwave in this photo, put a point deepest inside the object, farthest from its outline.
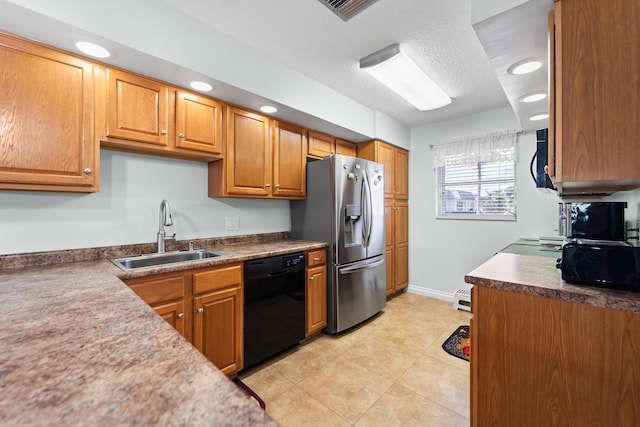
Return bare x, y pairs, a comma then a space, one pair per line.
593, 220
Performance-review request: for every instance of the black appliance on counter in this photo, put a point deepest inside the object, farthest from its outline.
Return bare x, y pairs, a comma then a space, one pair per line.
610, 265
596, 252
274, 306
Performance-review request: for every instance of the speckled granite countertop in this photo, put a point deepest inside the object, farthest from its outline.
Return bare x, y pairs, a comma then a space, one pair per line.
538, 275
80, 348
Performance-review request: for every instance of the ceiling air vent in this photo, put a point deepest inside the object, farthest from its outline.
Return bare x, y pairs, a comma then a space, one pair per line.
347, 9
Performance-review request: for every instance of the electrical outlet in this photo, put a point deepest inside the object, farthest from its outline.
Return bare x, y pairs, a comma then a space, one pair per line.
232, 223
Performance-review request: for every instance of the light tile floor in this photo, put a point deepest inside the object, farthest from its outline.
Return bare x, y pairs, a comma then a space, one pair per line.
390, 371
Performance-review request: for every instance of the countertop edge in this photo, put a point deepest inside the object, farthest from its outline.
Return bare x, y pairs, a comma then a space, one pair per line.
538, 276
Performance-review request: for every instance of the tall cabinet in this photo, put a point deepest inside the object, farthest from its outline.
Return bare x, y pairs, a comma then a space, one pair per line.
396, 189
594, 123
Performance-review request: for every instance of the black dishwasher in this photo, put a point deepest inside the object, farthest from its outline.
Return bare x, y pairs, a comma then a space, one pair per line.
274, 306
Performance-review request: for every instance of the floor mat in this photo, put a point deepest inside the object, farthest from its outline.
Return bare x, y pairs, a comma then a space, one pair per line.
459, 343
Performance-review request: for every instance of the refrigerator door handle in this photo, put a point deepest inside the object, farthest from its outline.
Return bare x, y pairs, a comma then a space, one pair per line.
360, 267
368, 203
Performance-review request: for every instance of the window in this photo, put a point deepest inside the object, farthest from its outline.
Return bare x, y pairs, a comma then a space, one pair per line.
475, 177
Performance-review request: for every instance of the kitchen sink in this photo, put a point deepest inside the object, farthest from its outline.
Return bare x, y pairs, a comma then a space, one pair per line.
155, 259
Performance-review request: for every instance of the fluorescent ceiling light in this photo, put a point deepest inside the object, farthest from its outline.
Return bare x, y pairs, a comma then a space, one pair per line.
93, 49
201, 86
537, 117
524, 67
268, 109
533, 97
399, 73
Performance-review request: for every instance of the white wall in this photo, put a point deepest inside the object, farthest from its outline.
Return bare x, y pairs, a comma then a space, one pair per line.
126, 208
442, 252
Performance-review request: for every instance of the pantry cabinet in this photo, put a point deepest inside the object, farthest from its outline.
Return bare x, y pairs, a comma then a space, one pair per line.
148, 116
47, 136
594, 123
316, 291
264, 158
396, 178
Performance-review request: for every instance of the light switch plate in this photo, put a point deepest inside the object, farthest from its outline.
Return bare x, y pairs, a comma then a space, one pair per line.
232, 223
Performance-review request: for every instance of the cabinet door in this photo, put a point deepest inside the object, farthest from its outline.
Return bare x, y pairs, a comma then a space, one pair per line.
390, 266
320, 144
597, 102
137, 108
345, 147
289, 160
218, 328
401, 174
385, 155
248, 153
46, 110
173, 313
316, 296
401, 246
198, 123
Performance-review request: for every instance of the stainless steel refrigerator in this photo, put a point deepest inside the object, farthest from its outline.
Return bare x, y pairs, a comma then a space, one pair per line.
345, 207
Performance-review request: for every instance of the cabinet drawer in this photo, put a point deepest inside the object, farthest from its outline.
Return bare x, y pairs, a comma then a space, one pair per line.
318, 257
217, 279
160, 290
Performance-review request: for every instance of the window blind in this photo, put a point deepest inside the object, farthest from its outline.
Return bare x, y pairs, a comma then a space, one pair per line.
475, 177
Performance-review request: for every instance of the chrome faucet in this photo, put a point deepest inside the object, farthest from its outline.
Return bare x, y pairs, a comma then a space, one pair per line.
165, 220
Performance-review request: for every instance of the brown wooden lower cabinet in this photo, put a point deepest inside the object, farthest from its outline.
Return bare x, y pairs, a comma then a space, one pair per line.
539, 361
218, 327
206, 306
316, 292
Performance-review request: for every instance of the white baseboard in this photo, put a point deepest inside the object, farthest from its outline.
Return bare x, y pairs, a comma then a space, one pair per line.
433, 293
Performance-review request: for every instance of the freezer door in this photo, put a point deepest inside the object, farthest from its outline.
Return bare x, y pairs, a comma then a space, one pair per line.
359, 292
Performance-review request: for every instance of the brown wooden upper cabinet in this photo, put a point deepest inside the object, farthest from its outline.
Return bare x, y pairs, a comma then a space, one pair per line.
47, 107
264, 158
321, 145
594, 122
148, 116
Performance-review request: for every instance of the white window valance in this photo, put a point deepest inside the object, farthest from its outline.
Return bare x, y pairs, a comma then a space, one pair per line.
494, 147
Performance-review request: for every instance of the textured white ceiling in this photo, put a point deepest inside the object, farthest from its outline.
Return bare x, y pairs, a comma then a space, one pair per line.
306, 36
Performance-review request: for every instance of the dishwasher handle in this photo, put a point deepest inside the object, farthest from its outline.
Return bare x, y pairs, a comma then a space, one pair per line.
360, 267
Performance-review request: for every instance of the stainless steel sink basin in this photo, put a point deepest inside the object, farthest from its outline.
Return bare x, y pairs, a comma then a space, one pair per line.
155, 259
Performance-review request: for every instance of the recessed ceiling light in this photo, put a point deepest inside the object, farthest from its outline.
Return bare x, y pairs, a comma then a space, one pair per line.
537, 117
201, 86
93, 49
533, 97
524, 67
268, 109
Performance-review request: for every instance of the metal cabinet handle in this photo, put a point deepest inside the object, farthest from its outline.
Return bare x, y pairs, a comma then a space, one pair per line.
201, 310
268, 185
312, 277
87, 171
180, 315
163, 132
181, 135
277, 185
317, 259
